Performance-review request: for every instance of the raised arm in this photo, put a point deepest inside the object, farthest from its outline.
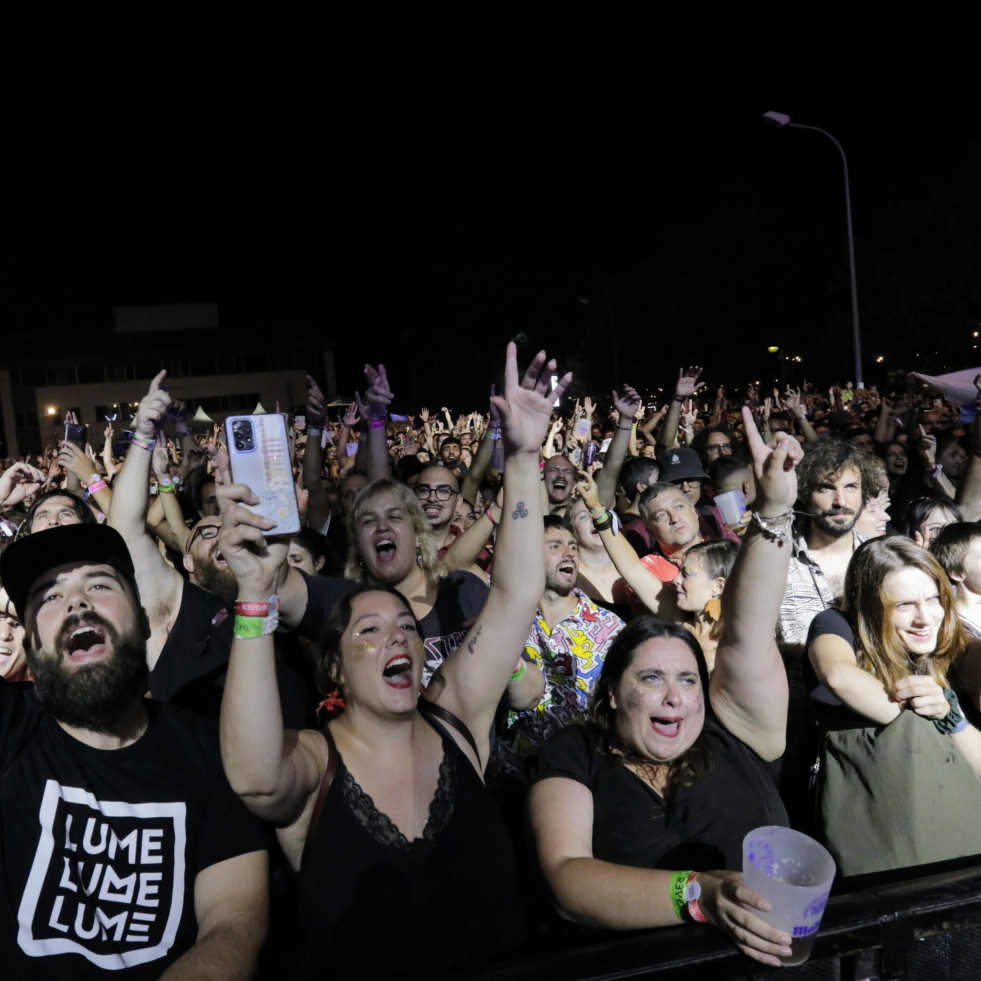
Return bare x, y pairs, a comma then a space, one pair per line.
626, 403
686, 387
318, 508
274, 771
748, 689
478, 672
377, 400
160, 584
792, 400
639, 578
482, 461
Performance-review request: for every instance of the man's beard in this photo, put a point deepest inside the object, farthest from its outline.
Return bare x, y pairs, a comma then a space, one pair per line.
216, 580
96, 695
558, 586
837, 529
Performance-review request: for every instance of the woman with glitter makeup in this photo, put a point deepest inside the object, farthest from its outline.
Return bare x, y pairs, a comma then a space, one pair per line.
383, 812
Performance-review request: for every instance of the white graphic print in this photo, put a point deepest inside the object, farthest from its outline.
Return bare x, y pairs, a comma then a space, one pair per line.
107, 880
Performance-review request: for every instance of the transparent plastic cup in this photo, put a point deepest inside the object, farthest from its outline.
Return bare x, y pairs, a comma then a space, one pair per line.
794, 873
732, 505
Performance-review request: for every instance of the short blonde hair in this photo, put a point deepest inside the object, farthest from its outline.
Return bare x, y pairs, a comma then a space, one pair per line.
426, 551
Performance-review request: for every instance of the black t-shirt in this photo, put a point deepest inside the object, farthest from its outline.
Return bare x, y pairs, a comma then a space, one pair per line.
190, 671
99, 849
702, 828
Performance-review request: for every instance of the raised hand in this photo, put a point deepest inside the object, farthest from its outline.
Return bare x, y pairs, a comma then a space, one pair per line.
688, 383
153, 408
19, 481
255, 561
526, 406
926, 446
774, 466
424, 415
75, 461
626, 402
589, 407
588, 490
351, 416
379, 395
791, 399
316, 404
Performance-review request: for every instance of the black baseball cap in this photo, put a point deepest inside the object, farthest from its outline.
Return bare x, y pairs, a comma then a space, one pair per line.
24, 561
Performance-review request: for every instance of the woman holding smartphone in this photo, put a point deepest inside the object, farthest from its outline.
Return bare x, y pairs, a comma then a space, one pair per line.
403, 864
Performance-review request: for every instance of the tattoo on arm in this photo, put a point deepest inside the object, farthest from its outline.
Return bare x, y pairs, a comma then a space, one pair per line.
472, 644
520, 511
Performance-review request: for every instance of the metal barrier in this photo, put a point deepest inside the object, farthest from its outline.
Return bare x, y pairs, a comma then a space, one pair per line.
926, 928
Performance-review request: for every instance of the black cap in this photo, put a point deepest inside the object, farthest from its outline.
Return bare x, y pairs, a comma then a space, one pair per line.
680, 464
27, 559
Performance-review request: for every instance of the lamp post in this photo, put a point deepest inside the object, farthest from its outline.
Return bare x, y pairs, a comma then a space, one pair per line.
781, 120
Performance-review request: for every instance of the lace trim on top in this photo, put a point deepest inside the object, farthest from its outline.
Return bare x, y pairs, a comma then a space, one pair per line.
381, 827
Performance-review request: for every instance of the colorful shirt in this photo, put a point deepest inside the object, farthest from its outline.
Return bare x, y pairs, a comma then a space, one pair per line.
571, 657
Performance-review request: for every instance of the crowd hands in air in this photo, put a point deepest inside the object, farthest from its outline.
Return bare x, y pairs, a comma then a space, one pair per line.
565, 610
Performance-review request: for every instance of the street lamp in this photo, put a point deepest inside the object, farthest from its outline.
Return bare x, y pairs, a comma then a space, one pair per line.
781, 120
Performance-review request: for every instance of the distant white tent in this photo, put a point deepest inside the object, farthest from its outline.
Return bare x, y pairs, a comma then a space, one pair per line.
201, 416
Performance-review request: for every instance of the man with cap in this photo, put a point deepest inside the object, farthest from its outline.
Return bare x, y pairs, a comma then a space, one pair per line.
683, 468
125, 850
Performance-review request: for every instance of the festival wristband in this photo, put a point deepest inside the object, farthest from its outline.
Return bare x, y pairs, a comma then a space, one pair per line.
679, 895
693, 892
517, 674
314, 431
143, 442
252, 609
378, 423
248, 628
96, 486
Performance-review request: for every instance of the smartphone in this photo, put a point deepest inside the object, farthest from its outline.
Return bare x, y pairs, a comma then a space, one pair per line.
76, 434
299, 423
259, 455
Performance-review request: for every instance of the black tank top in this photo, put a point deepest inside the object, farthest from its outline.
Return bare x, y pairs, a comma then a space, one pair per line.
373, 904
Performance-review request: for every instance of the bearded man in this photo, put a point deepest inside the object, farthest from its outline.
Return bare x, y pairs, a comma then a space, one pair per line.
125, 850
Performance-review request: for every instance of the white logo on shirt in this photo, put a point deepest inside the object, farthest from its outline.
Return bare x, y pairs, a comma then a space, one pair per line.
107, 880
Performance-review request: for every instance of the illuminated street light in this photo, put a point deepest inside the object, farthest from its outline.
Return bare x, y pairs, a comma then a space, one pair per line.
782, 120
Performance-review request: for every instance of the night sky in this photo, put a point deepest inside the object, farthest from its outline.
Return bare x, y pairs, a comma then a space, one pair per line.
420, 182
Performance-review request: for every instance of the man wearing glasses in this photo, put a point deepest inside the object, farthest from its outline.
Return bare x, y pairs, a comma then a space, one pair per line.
438, 490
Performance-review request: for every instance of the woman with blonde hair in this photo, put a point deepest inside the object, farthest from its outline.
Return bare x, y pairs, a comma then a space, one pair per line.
391, 545
899, 763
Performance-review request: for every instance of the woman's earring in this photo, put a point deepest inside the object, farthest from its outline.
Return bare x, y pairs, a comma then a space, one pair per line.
419, 556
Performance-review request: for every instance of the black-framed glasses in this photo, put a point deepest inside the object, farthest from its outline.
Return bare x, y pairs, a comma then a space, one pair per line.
207, 532
442, 493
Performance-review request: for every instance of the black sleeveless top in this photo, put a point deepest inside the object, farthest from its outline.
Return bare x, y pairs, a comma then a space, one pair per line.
374, 904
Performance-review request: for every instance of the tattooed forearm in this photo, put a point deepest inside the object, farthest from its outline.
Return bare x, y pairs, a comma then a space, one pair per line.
472, 643
520, 511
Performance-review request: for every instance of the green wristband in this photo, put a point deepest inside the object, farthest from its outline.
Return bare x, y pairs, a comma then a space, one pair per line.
248, 627
517, 674
679, 895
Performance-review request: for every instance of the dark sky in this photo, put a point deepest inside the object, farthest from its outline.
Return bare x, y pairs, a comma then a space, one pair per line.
422, 181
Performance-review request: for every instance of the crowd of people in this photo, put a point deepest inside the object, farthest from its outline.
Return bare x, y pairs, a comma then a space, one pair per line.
524, 671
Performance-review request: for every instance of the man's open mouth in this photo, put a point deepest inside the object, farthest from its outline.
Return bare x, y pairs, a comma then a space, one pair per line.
398, 672
668, 726
86, 642
567, 569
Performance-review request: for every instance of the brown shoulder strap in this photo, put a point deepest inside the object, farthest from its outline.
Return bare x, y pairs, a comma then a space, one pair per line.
445, 715
325, 784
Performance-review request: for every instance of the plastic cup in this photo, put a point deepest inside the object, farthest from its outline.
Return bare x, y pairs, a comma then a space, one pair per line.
732, 505
794, 873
